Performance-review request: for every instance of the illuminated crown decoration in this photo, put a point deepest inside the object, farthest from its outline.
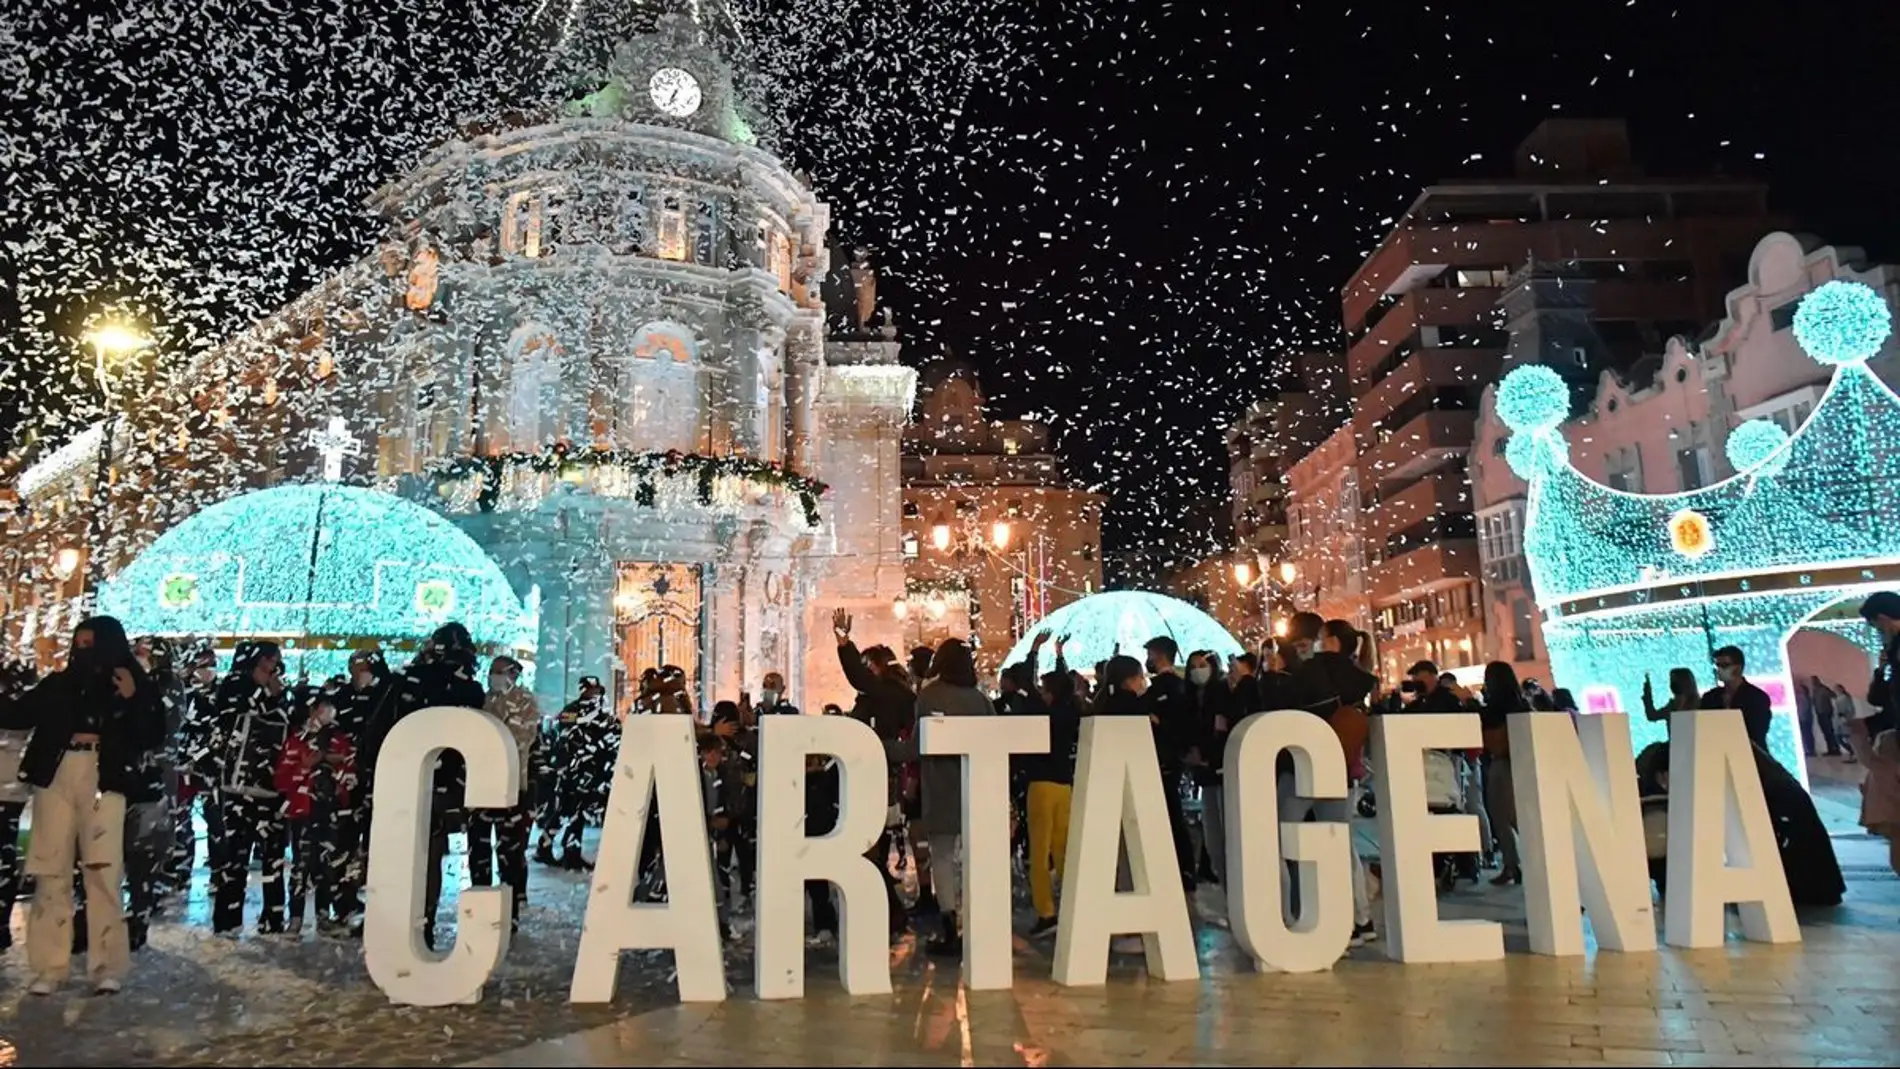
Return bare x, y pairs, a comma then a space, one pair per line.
1634, 583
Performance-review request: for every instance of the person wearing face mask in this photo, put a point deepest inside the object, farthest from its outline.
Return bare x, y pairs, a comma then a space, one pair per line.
1171, 713
91, 721
1734, 691
316, 776
772, 701
588, 744
1212, 703
195, 758
365, 710
498, 838
253, 724
149, 831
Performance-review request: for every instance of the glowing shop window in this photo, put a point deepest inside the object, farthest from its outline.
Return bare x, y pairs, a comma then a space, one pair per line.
521, 224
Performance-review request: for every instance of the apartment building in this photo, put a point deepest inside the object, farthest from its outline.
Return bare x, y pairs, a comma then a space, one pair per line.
1425, 336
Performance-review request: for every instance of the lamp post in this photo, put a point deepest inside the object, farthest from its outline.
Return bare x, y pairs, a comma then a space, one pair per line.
110, 341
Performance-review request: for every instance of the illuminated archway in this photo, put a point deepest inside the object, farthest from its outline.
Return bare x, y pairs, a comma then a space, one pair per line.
1634, 584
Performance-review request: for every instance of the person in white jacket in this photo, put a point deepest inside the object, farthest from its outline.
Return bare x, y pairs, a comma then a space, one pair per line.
505, 832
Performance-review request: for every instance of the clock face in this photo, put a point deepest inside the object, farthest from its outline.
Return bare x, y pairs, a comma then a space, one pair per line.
674, 92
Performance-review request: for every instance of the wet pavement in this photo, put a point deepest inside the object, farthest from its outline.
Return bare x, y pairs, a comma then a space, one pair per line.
194, 999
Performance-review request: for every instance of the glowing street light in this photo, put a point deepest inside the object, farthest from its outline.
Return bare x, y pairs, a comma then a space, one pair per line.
999, 534
940, 536
115, 338
66, 562
110, 340
1288, 571
1243, 573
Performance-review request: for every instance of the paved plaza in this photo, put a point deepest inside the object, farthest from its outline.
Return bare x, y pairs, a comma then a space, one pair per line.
198, 1000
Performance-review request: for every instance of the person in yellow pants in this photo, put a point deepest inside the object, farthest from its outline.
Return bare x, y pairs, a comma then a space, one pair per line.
1051, 778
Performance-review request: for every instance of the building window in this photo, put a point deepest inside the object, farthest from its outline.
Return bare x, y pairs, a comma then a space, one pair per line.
1009, 447
1469, 277
633, 221
910, 547
1623, 469
672, 233
778, 257
1523, 632
1694, 465
706, 235
521, 222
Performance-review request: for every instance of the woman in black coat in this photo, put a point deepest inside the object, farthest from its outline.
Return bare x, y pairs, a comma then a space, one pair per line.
92, 723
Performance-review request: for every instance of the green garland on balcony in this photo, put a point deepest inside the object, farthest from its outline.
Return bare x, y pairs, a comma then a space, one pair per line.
955, 584
646, 467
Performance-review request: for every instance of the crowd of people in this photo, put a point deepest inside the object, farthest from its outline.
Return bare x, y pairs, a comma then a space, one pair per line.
131, 746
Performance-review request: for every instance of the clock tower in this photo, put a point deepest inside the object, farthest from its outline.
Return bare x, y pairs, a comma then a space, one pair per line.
659, 62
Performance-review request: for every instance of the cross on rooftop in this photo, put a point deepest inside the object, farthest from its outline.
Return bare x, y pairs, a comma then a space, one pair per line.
334, 443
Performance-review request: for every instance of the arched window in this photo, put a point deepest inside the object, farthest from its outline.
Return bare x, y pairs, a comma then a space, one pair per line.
658, 404
536, 418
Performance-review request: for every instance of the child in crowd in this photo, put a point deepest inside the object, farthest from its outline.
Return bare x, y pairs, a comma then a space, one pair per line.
316, 778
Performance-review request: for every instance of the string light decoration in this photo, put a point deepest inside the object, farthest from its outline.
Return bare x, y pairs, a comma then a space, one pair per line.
1754, 444
1633, 584
1102, 625
1842, 323
322, 568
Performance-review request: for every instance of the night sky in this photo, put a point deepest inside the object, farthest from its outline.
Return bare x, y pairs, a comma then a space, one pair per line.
1122, 213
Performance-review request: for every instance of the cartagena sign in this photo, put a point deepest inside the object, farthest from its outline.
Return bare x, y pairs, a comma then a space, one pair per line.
1580, 824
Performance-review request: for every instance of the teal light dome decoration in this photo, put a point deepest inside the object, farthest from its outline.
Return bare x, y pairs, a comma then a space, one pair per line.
1098, 623
1533, 398
319, 567
1842, 322
1753, 443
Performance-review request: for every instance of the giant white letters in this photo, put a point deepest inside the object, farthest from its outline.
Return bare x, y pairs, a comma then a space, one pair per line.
658, 756
1721, 842
399, 858
1258, 840
985, 744
1118, 793
788, 857
1581, 821
1409, 835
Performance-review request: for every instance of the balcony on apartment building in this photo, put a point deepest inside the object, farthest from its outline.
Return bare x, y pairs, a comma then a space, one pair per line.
1403, 506
1388, 328
1481, 226
1423, 440
990, 469
1424, 566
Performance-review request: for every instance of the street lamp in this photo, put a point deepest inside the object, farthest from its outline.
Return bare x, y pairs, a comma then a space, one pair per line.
110, 340
1288, 571
1243, 573
999, 534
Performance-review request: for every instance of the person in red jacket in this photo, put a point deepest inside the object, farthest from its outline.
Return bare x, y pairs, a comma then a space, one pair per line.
316, 777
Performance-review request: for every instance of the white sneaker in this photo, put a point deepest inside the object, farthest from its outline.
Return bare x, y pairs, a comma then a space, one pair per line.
43, 987
108, 986
1128, 944
822, 941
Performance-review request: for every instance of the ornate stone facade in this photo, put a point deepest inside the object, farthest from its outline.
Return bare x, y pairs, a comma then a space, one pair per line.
595, 339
